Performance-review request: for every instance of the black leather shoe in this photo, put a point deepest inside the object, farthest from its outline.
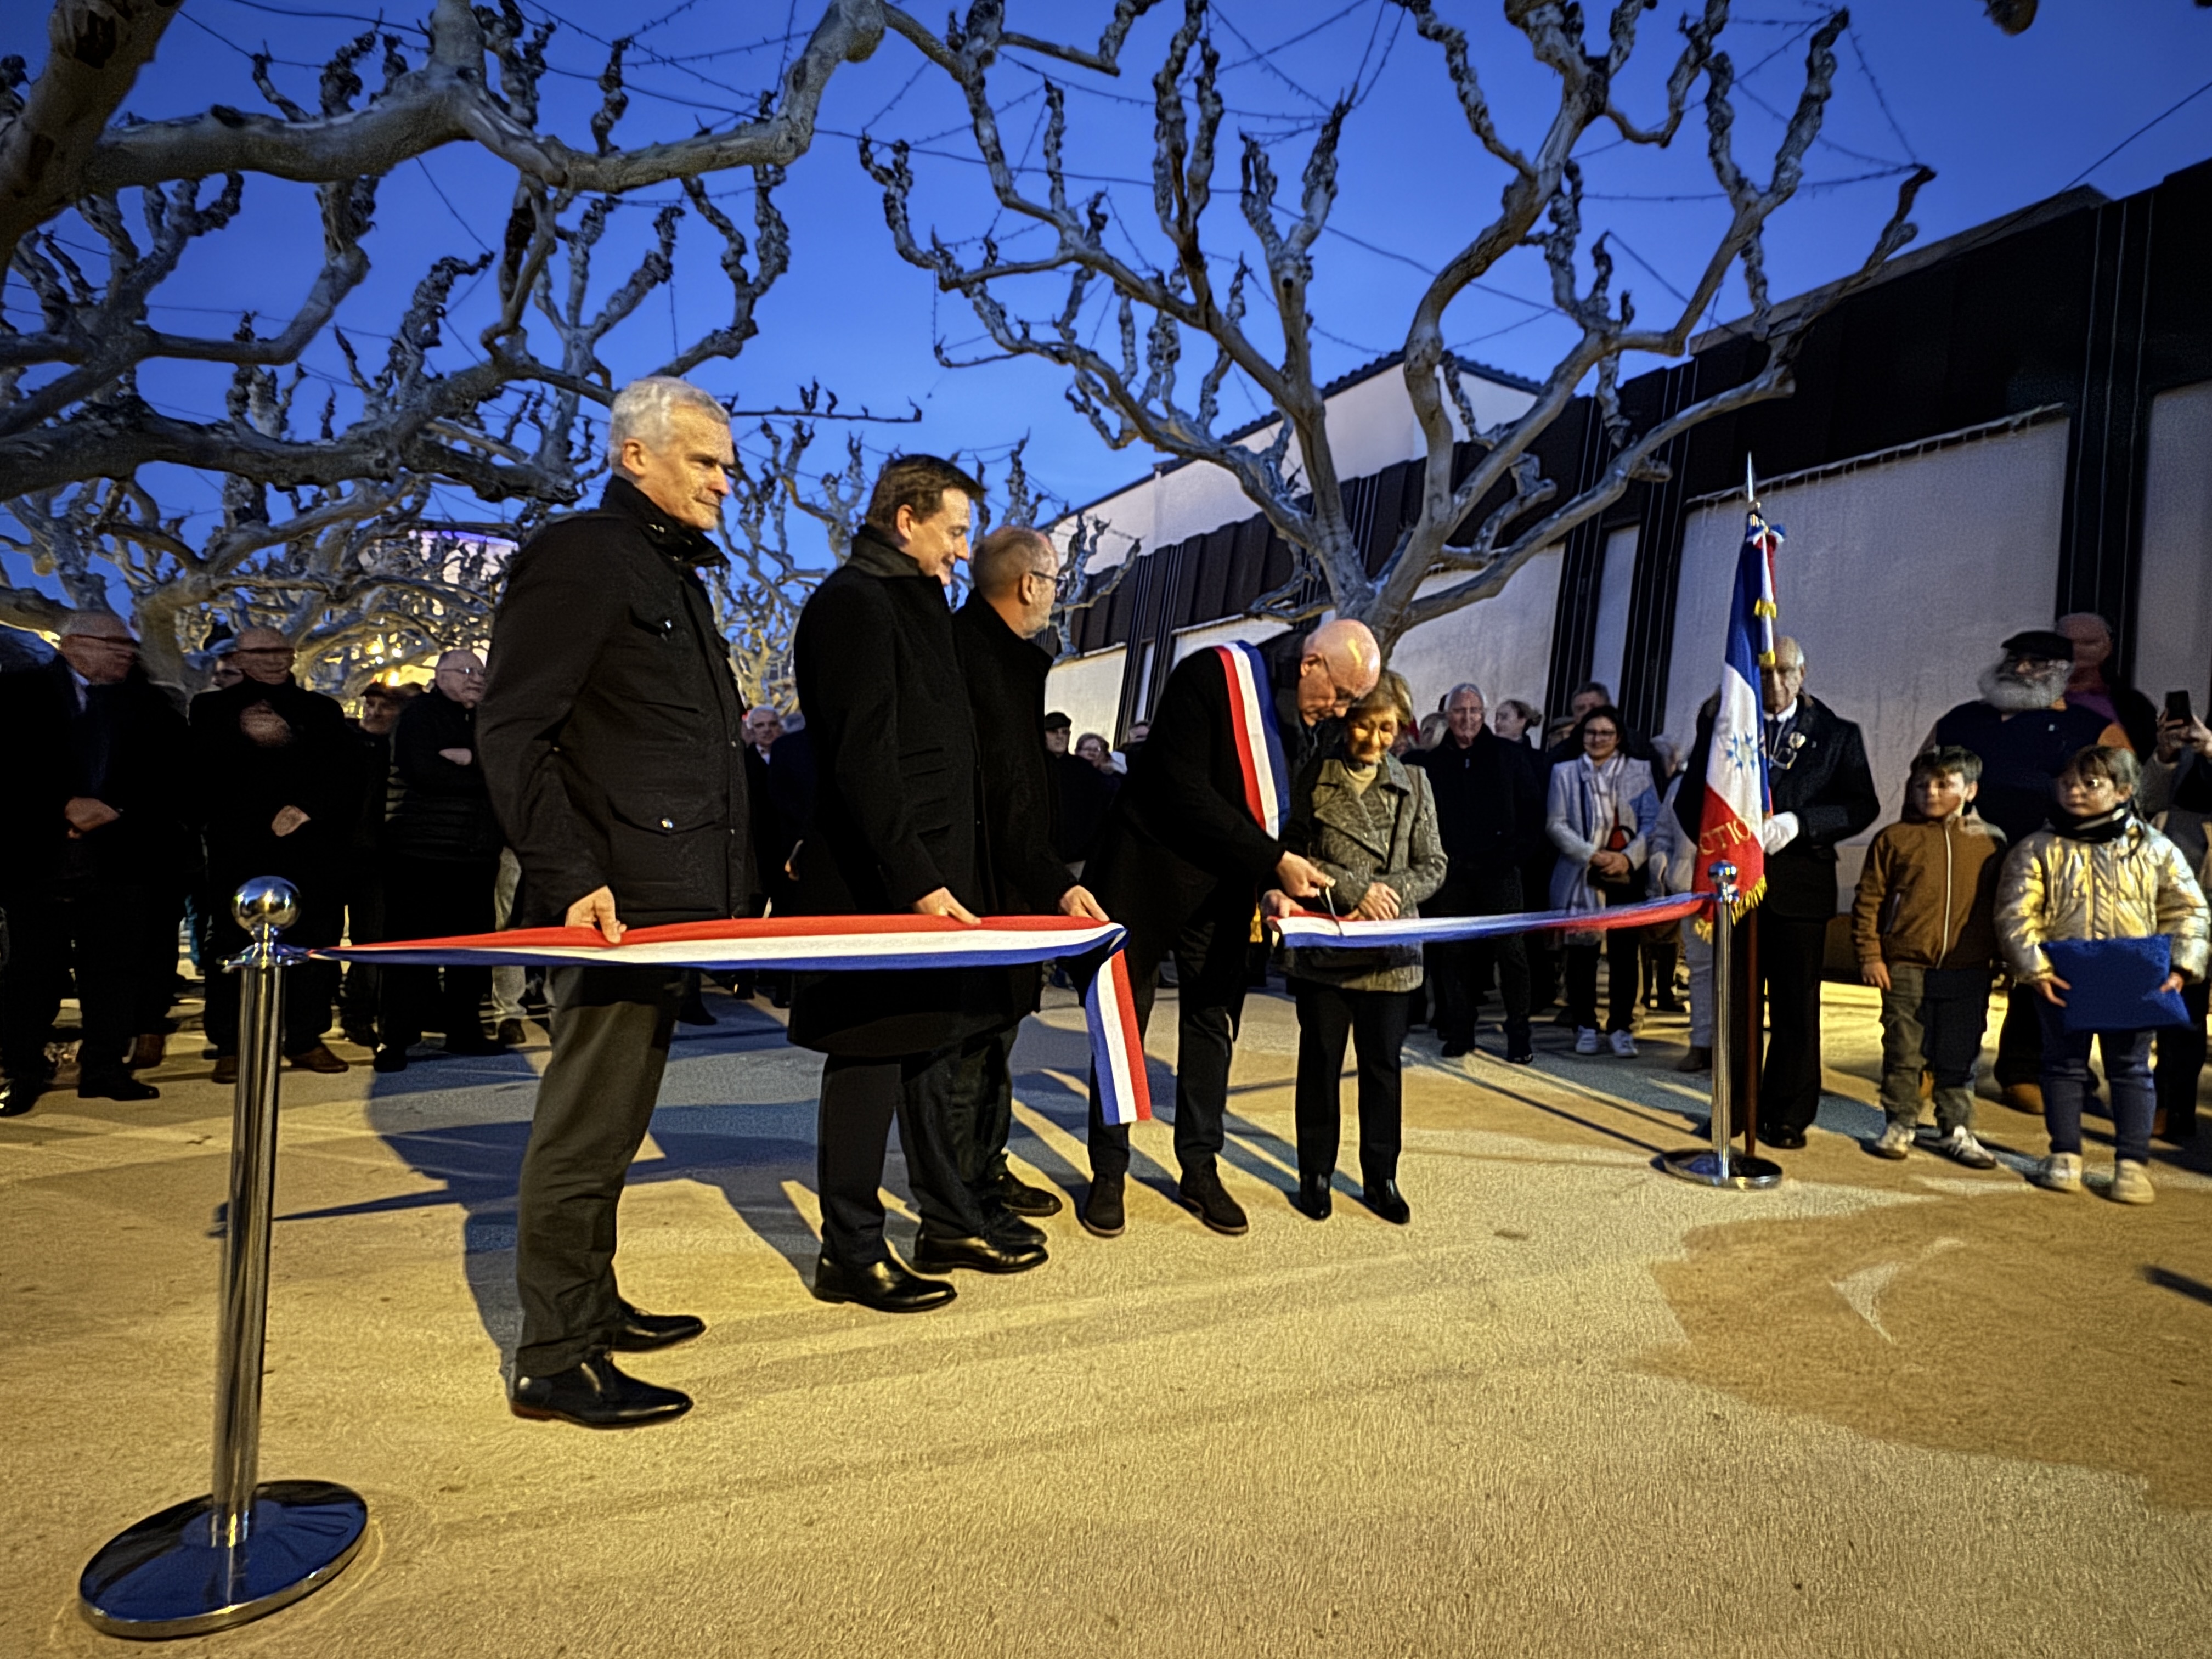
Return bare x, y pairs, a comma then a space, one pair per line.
390, 1060
1010, 1229
1386, 1200
1023, 1198
1315, 1198
18, 1094
1454, 1049
1102, 1215
595, 1395
934, 1254
1520, 1045
1782, 1140
884, 1285
642, 1332
1207, 1199
226, 1069
473, 1045
116, 1088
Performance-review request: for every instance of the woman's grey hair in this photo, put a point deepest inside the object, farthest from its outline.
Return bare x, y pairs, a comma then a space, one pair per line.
641, 409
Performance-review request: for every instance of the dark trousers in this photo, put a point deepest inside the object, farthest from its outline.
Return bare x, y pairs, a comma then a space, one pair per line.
611, 1033
1458, 970
940, 1101
364, 987
2066, 1080
1376, 1022
1620, 956
309, 989
1208, 947
2181, 1063
2020, 1039
1933, 1016
98, 930
1790, 954
428, 898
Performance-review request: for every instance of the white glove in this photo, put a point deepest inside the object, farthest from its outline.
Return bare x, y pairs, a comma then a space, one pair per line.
1778, 831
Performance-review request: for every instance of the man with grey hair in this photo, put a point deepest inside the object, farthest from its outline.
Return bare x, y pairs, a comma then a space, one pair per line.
1490, 815
611, 739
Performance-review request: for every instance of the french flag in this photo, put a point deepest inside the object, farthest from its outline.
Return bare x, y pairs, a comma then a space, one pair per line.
1736, 798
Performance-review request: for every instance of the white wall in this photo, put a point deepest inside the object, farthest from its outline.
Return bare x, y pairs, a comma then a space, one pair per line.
1370, 425
1616, 587
1251, 628
2174, 608
1088, 691
1899, 579
1502, 645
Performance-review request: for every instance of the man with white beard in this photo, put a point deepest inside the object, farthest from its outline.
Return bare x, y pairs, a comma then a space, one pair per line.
2025, 732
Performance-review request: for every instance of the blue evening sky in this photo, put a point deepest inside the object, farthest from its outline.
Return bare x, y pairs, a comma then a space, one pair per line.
2005, 122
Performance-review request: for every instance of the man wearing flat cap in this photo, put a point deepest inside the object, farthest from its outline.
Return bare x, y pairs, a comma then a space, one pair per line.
2025, 732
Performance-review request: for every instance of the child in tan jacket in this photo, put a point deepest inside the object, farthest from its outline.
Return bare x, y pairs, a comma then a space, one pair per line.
1925, 923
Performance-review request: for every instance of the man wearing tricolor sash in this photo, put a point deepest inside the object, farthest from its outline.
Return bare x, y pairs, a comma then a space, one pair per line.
1193, 834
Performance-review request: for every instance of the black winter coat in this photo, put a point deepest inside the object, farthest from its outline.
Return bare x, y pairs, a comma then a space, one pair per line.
1006, 677
441, 810
896, 805
242, 785
1490, 802
127, 746
1829, 787
1179, 826
611, 730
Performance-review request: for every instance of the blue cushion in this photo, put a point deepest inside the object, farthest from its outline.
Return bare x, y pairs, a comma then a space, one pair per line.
2115, 983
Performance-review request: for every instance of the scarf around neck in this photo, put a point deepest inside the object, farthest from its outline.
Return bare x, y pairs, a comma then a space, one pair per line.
2103, 827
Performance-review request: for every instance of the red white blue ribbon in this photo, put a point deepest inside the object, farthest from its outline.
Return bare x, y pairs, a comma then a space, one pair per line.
831, 945
1306, 930
1252, 733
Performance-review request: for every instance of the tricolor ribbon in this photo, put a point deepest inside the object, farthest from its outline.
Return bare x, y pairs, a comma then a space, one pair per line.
832, 945
1308, 930
1252, 731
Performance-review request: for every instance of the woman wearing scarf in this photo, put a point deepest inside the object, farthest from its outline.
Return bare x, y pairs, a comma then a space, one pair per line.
1604, 805
2097, 872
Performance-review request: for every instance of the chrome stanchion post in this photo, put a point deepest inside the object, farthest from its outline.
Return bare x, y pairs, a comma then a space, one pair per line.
1723, 1166
245, 1549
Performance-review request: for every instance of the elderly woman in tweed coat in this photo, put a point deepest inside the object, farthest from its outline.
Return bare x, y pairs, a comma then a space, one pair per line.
1371, 823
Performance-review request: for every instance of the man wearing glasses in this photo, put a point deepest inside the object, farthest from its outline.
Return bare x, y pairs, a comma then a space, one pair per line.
280, 779
1180, 864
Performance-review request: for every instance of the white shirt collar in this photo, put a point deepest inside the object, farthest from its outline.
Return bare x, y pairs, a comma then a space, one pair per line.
1787, 715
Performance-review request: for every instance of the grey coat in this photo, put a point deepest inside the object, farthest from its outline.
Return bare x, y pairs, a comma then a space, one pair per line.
1387, 832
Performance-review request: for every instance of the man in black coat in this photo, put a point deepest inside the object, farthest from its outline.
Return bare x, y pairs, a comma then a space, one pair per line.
1490, 814
1013, 582
95, 856
1180, 864
896, 830
1822, 793
441, 863
279, 775
380, 708
610, 734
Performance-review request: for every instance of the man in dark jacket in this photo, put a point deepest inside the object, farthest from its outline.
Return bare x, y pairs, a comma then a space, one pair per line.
380, 708
1012, 583
897, 830
279, 777
96, 855
611, 735
1822, 793
441, 863
1180, 864
1490, 814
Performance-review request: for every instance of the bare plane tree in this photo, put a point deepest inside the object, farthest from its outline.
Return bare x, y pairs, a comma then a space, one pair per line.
1139, 394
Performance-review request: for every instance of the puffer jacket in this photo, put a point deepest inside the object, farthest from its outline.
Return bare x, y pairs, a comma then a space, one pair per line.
1386, 833
2128, 888
1926, 898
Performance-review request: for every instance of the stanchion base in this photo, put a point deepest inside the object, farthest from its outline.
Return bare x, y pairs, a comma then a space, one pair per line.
1703, 1166
165, 1576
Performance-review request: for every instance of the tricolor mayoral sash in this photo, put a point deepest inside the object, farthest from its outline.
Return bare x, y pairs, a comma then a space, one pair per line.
832, 945
1252, 735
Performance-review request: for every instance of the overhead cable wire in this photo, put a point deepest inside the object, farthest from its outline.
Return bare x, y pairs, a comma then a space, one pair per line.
2173, 109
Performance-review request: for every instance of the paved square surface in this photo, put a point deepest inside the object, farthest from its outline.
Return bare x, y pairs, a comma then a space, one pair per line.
1576, 1407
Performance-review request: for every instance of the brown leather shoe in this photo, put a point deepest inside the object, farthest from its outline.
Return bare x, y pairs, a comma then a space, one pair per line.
2023, 1097
317, 1059
226, 1068
150, 1050
1695, 1059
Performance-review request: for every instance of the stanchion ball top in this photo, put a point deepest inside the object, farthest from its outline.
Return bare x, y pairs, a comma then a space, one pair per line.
265, 902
